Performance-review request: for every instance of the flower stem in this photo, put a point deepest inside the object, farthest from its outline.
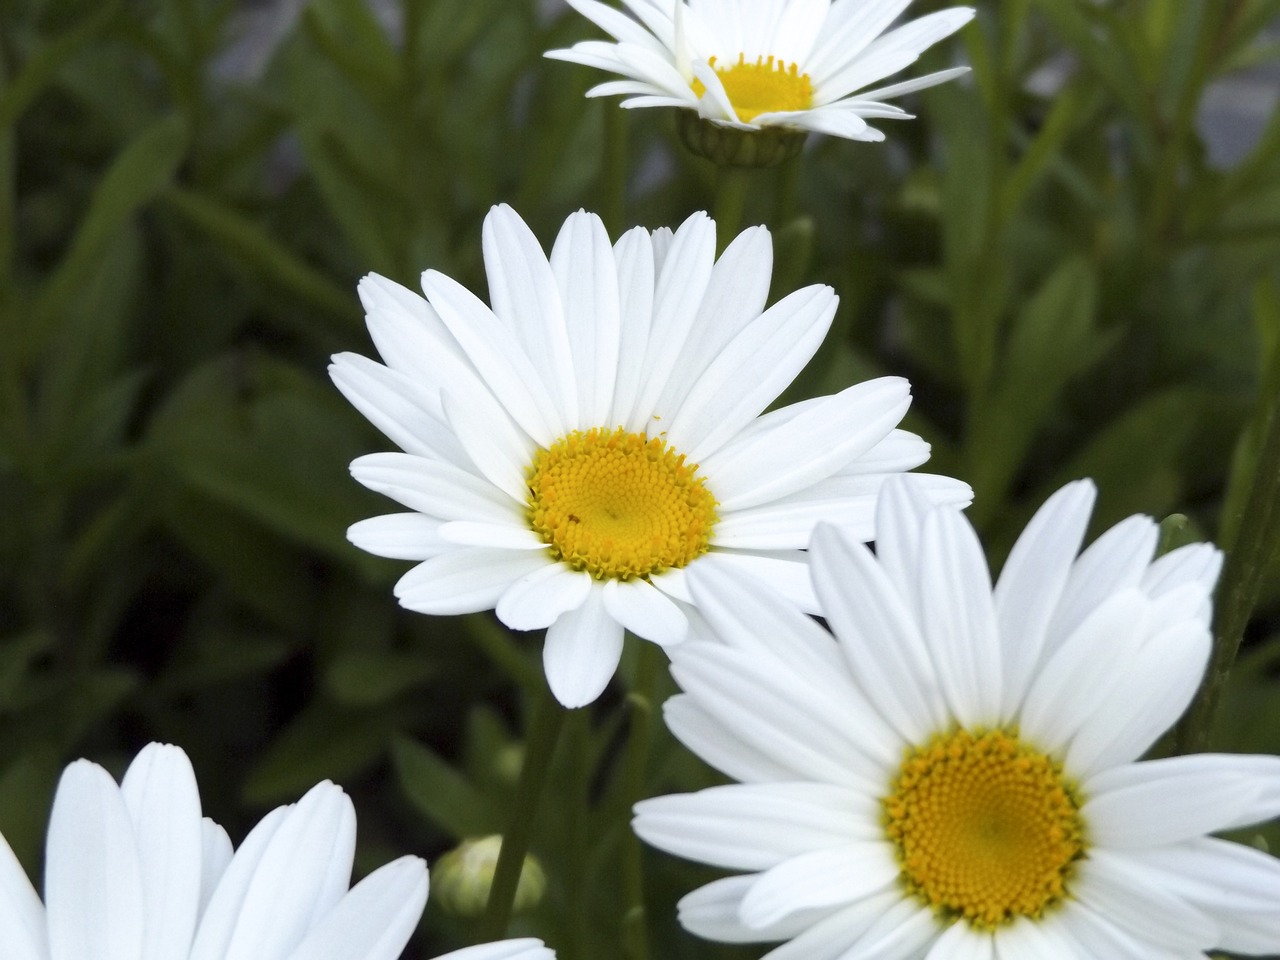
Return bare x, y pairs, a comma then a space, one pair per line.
731, 198
540, 746
635, 939
1242, 573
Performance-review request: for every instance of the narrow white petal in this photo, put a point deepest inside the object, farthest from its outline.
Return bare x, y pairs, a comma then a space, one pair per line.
587, 275
496, 449
1122, 891
525, 948
1032, 939
961, 942
882, 644
93, 882
958, 617
1194, 563
850, 28
434, 487
302, 874
507, 370
751, 371
617, 24
613, 88
807, 448
881, 926
912, 85
753, 826
785, 571
836, 123
1070, 688
160, 793
400, 536
502, 536
789, 525
1032, 582
465, 580
900, 514
635, 270
21, 913
714, 103
832, 876
215, 857
681, 282
526, 299
712, 912
374, 920
540, 597
646, 611
407, 412
1180, 798
717, 746
582, 651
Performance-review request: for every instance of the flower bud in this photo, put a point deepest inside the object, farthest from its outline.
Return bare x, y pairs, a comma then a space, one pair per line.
460, 880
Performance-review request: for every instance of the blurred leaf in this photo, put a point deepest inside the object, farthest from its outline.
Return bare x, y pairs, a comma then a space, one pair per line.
16, 654
442, 794
362, 678
141, 171
26, 794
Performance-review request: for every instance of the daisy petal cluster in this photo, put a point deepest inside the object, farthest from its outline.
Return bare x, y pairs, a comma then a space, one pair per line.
956, 774
755, 64
575, 447
134, 872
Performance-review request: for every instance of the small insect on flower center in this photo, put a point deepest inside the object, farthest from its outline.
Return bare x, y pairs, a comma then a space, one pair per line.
985, 827
619, 505
765, 86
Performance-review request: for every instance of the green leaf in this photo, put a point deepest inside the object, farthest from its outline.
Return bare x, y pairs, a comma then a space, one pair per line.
141, 171
26, 794
16, 655
363, 678
442, 794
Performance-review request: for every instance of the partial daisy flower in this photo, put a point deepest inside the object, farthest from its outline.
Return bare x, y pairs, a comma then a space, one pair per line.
134, 872
955, 775
573, 450
760, 64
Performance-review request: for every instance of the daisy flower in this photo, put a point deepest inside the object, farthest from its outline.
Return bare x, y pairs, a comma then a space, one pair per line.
955, 775
757, 64
573, 450
133, 872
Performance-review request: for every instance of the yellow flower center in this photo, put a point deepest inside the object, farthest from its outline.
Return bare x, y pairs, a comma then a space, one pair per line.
762, 87
619, 505
986, 827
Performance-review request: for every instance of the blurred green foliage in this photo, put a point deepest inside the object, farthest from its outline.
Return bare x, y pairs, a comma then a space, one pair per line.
1071, 286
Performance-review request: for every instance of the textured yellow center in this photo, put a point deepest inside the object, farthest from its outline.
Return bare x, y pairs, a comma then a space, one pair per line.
619, 505
762, 87
986, 827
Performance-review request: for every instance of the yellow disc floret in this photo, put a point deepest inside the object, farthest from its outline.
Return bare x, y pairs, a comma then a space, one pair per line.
766, 86
618, 504
986, 828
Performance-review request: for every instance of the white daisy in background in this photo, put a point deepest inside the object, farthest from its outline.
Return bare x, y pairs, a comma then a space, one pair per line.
755, 64
572, 451
954, 776
134, 872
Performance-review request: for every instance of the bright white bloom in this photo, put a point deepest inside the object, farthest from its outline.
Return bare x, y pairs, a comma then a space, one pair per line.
572, 451
954, 776
750, 64
133, 872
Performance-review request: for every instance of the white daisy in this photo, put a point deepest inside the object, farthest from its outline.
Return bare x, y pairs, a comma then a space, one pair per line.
752, 64
573, 450
133, 872
955, 775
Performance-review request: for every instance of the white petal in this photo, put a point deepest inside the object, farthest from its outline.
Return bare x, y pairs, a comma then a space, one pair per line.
755, 826
160, 793
635, 269
1194, 563
849, 29
831, 876
507, 370
910, 86
1032, 582
681, 282
93, 882
881, 926
900, 514
1122, 892
495, 448
215, 857
1070, 687
302, 874
526, 299
717, 746
400, 536
465, 580
375, 919
1180, 798
808, 447
587, 275
646, 611
617, 24
958, 617
711, 912
882, 644
502, 536
961, 942
540, 597
582, 651
434, 487
785, 571
751, 371
21, 913
1030, 939
525, 948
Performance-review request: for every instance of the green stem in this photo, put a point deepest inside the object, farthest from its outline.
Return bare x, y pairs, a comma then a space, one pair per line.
540, 746
635, 938
731, 199
1242, 573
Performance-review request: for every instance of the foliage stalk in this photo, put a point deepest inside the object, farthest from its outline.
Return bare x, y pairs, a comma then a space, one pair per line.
731, 199
635, 938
